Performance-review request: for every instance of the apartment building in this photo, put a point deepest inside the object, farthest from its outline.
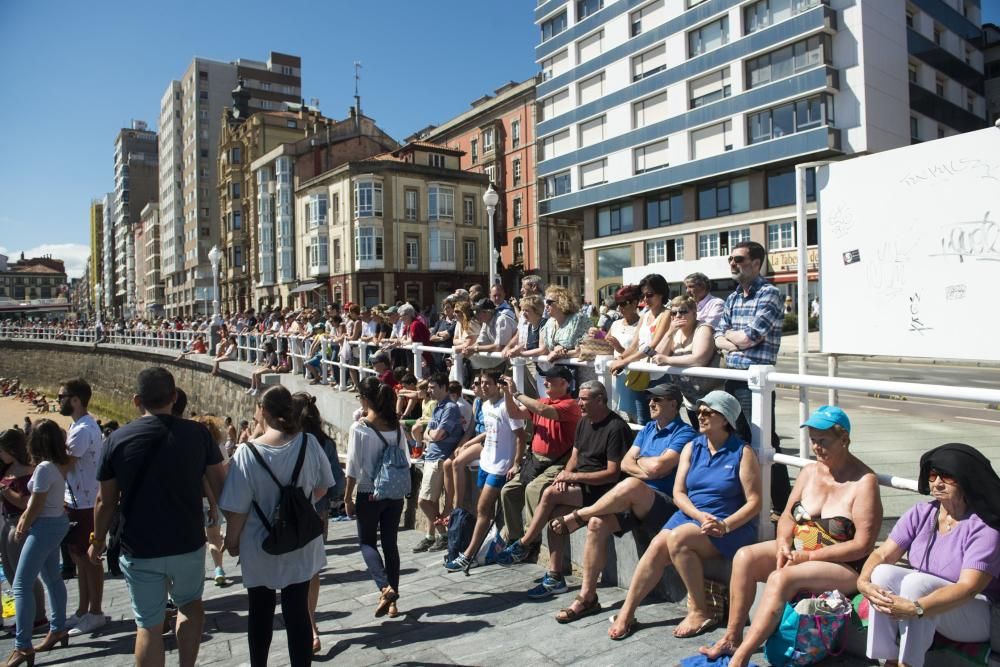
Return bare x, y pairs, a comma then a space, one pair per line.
497, 138
29, 279
247, 136
409, 224
136, 184
96, 258
671, 128
105, 298
276, 175
149, 281
191, 117
991, 70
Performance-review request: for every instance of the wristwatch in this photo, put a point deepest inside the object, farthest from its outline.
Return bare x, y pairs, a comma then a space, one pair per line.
918, 608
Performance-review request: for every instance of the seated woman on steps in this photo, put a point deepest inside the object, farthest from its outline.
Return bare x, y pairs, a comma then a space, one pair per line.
827, 530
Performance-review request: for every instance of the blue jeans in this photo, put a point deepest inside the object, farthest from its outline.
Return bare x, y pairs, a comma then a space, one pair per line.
40, 557
627, 399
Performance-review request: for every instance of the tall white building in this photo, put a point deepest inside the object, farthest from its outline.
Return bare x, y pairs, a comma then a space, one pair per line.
671, 128
135, 186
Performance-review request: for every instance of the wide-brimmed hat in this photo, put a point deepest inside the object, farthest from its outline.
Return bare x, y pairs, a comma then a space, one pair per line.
723, 403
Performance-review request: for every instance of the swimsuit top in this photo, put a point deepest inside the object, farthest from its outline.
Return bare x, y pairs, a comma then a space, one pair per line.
811, 534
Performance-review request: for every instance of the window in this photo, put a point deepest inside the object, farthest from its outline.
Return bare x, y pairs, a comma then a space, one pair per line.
968, 56
469, 253
469, 210
555, 65
781, 187
664, 250
516, 168
316, 210
650, 110
939, 86
368, 199
787, 61
648, 17
237, 220
368, 244
914, 71
592, 173
940, 132
335, 209
553, 26
318, 253
235, 190
914, 129
203, 153
515, 133
555, 145
667, 209
712, 140
707, 37
557, 184
440, 202
591, 132
651, 156
710, 88
235, 155
788, 118
336, 256
938, 35
649, 63
291, 123
518, 250
562, 245
412, 252
612, 261
585, 8
442, 246
616, 219
435, 160
590, 89
556, 104
487, 140
909, 18
562, 280
970, 103
590, 47
491, 172
723, 198
717, 244
410, 197
764, 13
781, 236
517, 212
474, 150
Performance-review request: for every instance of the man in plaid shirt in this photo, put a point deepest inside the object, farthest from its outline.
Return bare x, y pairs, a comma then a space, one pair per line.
750, 333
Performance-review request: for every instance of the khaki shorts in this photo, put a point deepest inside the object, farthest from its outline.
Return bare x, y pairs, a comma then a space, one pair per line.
432, 482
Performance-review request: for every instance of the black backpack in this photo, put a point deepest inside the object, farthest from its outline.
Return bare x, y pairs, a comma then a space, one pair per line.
295, 521
460, 526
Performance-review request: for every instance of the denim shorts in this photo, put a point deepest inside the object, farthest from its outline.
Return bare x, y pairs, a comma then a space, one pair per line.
149, 579
315, 360
489, 479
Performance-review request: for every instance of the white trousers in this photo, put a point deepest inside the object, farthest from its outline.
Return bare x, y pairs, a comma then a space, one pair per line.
908, 641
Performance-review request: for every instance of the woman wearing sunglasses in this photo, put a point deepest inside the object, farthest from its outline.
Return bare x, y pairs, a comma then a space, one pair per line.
953, 547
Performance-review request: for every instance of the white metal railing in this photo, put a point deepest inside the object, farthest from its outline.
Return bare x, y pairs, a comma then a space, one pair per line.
761, 380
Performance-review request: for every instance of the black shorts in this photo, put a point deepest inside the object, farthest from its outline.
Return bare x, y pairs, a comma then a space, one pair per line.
658, 515
591, 494
81, 526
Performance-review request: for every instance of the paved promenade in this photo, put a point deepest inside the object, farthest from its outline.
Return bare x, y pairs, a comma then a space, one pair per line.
446, 619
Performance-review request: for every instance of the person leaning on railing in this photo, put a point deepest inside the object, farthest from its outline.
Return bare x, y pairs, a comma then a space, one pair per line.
953, 547
526, 342
565, 327
620, 335
825, 532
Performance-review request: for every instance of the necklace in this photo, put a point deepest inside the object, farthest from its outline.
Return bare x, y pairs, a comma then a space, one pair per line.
949, 521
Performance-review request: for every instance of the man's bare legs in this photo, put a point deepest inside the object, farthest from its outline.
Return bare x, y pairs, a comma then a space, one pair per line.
90, 578
190, 622
485, 510
459, 471
551, 501
630, 495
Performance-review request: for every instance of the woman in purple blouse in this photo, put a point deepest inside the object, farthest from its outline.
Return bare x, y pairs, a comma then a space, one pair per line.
953, 546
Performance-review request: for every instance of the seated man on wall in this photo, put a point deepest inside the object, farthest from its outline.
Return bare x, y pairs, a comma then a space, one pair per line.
643, 500
602, 439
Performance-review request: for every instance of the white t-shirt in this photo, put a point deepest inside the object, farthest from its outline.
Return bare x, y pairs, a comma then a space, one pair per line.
364, 453
623, 332
465, 409
500, 445
83, 441
47, 479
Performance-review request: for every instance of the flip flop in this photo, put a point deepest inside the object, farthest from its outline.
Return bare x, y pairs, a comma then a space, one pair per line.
568, 615
629, 630
707, 626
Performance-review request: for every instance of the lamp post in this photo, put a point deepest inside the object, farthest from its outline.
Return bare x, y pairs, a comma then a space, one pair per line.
490, 199
215, 256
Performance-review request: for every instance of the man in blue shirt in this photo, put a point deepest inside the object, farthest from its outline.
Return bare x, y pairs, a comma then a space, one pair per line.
750, 334
441, 437
643, 501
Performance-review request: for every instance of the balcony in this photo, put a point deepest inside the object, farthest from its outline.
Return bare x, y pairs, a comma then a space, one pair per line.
319, 270
442, 265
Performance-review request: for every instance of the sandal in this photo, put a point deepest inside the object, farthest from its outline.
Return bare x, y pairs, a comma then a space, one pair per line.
630, 629
317, 647
393, 610
559, 525
707, 625
568, 615
388, 597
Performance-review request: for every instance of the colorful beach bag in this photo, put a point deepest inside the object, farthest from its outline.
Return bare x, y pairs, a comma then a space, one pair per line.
809, 631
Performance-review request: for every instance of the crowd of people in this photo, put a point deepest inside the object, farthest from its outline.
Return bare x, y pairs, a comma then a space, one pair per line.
552, 456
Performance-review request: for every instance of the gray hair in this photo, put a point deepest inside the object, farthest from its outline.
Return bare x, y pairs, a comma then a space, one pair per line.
406, 309
595, 387
533, 279
699, 279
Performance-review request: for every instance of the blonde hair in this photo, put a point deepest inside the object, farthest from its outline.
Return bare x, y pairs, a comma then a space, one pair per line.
534, 302
684, 300
215, 426
563, 299
464, 311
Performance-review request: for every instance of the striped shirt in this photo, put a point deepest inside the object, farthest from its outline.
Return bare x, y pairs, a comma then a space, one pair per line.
759, 315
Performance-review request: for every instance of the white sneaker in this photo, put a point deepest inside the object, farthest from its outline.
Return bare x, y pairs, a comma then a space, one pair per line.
88, 624
71, 621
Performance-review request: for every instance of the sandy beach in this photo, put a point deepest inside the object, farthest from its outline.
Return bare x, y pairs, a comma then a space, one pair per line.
13, 412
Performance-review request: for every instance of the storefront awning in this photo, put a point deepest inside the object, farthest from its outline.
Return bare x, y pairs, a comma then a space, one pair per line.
793, 277
304, 287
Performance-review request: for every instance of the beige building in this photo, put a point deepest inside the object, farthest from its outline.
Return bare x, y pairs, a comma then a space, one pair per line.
96, 259
136, 183
149, 282
190, 132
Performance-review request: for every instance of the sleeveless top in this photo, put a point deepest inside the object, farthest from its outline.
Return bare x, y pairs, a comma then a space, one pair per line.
645, 331
810, 534
713, 481
694, 388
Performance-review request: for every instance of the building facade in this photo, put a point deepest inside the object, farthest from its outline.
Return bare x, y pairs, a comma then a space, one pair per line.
991, 70
105, 296
32, 279
149, 281
94, 261
406, 225
497, 138
136, 184
670, 130
191, 116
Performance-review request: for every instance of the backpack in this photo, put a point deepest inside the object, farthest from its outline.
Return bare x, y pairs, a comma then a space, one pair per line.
294, 523
392, 479
492, 545
460, 526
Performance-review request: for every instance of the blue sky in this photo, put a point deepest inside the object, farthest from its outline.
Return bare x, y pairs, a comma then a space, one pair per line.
80, 71
77, 72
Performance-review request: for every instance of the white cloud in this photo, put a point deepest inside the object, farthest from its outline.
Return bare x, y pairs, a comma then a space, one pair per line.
74, 255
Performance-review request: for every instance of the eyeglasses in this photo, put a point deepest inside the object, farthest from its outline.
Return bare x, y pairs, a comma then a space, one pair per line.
655, 399
737, 259
680, 311
706, 413
933, 476
549, 302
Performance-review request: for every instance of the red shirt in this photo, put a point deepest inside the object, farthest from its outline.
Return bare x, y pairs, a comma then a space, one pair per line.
419, 333
554, 437
388, 378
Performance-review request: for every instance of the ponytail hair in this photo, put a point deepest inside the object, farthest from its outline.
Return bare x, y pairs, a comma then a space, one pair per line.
277, 401
382, 398
305, 407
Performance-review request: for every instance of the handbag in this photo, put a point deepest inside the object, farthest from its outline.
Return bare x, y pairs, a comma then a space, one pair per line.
637, 380
295, 522
392, 479
809, 631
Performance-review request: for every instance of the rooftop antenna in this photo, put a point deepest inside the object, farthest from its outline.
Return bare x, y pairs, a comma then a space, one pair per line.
357, 78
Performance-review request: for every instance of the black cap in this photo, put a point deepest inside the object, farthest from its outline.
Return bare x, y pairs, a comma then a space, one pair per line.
668, 390
557, 371
483, 304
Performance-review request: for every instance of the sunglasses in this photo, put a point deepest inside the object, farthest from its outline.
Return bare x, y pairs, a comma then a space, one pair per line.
737, 259
549, 302
655, 399
683, 311
706, 413
933, 476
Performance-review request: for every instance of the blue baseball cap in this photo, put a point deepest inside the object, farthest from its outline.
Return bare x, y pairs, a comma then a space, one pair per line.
827, 416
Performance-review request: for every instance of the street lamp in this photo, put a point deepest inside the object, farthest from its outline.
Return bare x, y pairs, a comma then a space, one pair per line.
491, 198
215, 256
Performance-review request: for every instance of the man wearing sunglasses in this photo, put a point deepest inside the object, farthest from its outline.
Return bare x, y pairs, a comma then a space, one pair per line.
750, 334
